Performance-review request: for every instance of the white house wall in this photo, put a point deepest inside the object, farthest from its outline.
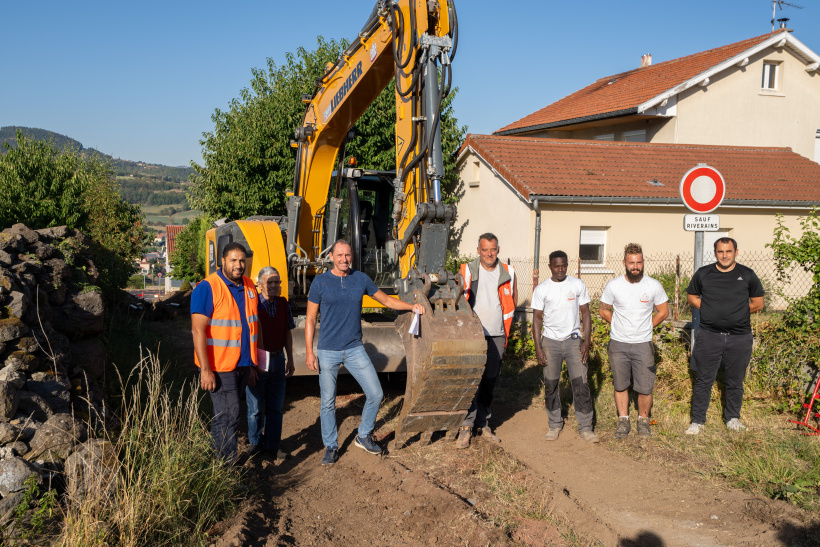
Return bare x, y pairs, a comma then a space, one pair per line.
492, 206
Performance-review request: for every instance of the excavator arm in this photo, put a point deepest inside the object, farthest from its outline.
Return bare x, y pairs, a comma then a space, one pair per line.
410, 42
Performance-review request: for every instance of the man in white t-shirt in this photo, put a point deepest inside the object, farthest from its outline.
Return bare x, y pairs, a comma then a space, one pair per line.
560, 306
628, 303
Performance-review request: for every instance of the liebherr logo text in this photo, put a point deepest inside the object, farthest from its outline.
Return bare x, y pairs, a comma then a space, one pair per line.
342, 93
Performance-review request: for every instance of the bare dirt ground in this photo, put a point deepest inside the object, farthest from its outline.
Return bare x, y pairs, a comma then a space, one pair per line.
430, 495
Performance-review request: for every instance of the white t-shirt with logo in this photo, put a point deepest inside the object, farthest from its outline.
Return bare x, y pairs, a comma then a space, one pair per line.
632, 306
487, 303
561, 304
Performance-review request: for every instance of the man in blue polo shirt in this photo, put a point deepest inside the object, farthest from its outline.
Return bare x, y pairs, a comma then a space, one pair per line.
338, 294
225, 330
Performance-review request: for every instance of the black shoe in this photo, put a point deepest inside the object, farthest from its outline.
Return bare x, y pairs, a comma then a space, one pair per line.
331, 456
253, 450
282, 455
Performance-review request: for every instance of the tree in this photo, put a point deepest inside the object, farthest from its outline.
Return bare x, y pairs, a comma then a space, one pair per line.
189, 259
43, 187
249, 164
804, 252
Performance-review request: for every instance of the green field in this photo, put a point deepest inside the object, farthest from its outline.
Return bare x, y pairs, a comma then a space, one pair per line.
158, 221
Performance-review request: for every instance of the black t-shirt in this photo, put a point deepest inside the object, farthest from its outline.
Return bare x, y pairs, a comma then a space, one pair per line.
724, 297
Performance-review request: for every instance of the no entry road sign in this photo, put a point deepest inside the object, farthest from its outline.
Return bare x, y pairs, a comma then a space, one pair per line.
702, 189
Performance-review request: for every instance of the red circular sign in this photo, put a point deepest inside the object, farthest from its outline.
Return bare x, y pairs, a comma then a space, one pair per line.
702, 189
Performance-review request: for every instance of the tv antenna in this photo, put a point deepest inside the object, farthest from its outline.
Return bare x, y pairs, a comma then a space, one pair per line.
779, 4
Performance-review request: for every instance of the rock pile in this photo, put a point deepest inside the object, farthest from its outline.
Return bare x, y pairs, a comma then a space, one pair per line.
51, 314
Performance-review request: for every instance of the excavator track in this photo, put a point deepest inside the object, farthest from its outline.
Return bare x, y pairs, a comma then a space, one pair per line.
445, 362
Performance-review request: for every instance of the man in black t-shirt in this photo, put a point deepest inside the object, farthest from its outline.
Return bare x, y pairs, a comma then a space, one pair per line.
726, 293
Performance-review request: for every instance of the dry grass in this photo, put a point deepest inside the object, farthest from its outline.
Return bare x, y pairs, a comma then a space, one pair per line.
167, 487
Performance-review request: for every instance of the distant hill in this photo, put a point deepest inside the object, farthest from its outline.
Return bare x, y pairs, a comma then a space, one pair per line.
121, 167
9, 134
159, 189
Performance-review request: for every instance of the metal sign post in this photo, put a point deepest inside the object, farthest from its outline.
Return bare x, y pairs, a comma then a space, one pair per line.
702, 190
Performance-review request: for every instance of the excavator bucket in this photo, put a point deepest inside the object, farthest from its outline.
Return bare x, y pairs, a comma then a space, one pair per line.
445, 362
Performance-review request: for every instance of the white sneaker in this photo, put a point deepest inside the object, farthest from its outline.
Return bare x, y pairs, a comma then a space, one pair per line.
735, 425
694, 428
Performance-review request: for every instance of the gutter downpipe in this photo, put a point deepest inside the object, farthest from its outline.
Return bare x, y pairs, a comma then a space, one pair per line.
537, 252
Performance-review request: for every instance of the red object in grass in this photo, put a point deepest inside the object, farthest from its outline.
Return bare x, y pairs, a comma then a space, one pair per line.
810, 413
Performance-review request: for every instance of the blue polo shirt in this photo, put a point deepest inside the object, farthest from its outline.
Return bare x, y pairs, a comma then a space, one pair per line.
340, 308
202, 302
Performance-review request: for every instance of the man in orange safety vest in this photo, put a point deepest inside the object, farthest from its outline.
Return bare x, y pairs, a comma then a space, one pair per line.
225, 327
492, 292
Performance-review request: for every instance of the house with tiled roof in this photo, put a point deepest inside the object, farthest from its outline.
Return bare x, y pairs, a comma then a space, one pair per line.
590, 198
602, 167
764, 91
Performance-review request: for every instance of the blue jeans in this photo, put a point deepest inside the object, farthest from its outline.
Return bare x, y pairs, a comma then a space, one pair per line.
265, 401
358, 364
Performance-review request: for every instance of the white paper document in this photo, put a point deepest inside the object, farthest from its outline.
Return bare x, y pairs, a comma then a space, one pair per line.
414, 326
262, 359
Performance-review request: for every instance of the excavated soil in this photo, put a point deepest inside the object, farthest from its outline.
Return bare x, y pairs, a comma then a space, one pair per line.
410, 497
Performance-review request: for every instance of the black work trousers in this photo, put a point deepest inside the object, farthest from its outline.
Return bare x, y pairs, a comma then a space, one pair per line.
480, 412
225, 400
713, 349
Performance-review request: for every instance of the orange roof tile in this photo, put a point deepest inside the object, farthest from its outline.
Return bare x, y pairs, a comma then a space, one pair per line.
605, 169
622, 93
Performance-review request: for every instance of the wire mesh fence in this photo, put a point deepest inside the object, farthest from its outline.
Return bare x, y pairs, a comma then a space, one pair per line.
672, 270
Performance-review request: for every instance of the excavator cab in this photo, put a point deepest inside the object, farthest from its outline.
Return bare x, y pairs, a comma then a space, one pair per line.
366, 222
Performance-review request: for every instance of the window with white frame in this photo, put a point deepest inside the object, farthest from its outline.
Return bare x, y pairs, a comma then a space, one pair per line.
592, 248
817, 146
770, 76
605, 137
635, 136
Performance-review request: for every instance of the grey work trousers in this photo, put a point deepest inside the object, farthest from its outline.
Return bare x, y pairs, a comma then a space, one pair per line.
556, 352
480, 413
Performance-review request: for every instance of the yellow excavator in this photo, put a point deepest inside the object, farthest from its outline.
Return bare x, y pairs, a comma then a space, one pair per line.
395, 221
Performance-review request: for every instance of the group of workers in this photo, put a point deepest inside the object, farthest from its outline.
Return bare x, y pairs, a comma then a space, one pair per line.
242, 337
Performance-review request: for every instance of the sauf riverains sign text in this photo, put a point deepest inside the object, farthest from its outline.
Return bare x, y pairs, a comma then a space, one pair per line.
701, 223
346, 86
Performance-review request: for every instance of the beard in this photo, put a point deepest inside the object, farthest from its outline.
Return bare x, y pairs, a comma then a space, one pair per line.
634, 278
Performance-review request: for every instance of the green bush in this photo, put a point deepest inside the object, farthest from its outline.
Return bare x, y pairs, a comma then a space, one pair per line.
135, 281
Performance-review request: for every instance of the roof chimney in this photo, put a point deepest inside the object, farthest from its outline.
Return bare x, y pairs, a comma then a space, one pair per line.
646, 60
783, 22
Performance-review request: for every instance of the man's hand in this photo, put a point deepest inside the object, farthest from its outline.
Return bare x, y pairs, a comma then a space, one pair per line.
605, 311
584, 351
418, 308
207, 380
312, 362
253, 376
289, 368
540, 355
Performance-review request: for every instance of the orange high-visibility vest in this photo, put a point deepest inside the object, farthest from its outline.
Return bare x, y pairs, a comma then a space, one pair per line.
505, 293
224, 330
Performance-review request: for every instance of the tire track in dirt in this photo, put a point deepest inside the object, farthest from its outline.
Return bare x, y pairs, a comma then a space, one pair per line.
361, 500
622, 501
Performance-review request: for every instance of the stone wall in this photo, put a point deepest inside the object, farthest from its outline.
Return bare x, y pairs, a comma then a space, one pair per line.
51, 357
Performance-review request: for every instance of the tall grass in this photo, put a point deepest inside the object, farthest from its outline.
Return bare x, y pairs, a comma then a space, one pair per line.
168, 487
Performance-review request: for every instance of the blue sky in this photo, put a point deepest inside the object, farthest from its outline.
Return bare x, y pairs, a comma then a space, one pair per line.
140, 81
